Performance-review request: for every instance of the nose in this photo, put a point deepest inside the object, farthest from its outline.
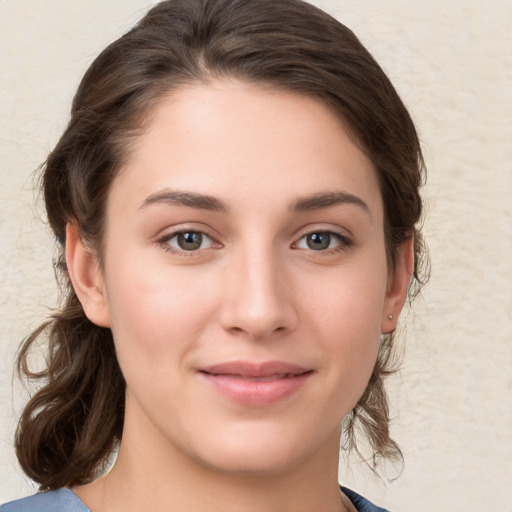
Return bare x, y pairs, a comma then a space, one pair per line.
258, 300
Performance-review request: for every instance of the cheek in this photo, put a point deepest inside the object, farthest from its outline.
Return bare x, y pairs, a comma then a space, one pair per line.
156, 317
352, 303
348, 318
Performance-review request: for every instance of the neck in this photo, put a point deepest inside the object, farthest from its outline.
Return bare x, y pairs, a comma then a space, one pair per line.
157, 476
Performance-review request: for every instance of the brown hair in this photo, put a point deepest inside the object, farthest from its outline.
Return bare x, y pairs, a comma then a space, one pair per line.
73, 422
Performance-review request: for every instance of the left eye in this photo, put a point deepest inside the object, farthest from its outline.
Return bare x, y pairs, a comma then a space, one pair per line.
320, 241
189, 241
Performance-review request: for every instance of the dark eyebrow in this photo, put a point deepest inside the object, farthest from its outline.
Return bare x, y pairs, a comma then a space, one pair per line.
326, 200
178, 198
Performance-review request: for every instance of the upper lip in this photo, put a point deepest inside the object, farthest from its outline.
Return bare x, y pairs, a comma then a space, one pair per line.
248, 370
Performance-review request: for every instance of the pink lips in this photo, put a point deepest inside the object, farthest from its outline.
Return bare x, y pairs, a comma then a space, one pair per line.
256, 384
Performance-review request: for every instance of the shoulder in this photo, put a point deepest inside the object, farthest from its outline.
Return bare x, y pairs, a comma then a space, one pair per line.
65, 500
362, 504
62, 500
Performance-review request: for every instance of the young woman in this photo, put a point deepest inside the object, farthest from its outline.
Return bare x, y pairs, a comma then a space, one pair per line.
236, 200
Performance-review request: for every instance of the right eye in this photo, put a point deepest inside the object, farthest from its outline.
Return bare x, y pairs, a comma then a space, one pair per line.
186, 241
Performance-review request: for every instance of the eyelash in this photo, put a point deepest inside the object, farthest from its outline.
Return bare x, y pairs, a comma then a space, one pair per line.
344, 242
165, 239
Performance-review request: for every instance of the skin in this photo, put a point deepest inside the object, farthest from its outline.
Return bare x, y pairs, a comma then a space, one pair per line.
255, 290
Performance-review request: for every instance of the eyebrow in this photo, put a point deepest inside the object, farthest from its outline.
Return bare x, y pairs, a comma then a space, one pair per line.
191, 199
326, 200
312, 202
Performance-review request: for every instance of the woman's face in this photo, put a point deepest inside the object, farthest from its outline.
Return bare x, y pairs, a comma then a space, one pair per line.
244, 278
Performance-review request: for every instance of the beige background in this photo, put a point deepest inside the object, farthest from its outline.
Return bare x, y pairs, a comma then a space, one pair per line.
452, 63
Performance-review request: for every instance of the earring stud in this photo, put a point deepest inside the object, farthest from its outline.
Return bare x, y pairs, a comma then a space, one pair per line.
390, 317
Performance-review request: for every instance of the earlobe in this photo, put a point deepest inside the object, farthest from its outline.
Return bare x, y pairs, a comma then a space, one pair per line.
86, 277
398, 286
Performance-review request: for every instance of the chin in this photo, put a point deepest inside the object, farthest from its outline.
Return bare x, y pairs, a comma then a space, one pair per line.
257, 453
252, 464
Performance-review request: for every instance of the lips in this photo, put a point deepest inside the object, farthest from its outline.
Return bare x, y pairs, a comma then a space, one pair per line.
256, 384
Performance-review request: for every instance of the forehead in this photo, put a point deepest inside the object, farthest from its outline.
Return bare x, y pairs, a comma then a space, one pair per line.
238, 140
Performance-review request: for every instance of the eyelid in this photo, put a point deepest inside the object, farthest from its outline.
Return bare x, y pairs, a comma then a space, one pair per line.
345, 239
163, 239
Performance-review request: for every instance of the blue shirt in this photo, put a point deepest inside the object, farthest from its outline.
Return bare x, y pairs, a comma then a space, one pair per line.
65, 500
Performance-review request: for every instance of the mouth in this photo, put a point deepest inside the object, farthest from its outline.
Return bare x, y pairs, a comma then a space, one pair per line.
256, 384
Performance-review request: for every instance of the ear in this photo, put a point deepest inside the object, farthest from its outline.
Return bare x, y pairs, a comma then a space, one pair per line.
86, 277
398, 285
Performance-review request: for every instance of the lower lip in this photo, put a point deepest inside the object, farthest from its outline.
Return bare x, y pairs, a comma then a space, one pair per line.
253, 392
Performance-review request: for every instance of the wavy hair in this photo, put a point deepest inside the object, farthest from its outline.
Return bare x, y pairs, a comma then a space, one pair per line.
72, 423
